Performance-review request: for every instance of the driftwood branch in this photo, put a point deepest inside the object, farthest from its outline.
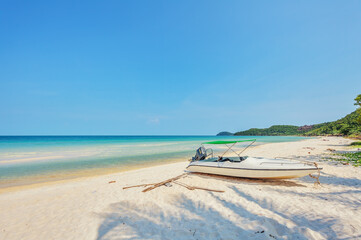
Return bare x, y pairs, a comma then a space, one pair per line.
194, 187
140, 185
155, 185
164, 182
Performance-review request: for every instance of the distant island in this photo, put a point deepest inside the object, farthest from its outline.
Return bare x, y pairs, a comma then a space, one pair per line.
347, 126
225, 134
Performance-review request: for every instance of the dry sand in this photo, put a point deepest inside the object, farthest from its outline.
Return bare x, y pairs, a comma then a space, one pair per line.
92, 208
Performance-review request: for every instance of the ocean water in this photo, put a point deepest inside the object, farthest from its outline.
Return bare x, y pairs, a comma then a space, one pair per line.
28, 159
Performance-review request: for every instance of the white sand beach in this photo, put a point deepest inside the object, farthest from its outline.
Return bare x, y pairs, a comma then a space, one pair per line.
93, 208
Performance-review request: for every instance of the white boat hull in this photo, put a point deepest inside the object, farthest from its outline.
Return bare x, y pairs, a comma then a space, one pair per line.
255, 168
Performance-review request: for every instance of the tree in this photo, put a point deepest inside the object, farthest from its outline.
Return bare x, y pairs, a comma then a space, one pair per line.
358, 103
358, 100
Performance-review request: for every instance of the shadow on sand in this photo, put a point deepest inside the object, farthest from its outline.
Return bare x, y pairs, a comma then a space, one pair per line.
314, 222
330, 179
239, 215
188, 219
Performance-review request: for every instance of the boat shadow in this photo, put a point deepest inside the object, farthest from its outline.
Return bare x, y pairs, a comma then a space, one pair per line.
271, 182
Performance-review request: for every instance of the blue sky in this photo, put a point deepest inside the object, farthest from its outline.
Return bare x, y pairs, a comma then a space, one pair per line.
175, 67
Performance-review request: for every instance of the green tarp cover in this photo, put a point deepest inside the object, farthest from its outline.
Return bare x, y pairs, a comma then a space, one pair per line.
226, 142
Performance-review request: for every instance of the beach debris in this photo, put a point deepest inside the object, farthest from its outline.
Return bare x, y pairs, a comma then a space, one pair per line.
164, 182
194, 187
330, 149
311, 148
272, 236
155, 185
140, 185
168, 184
113, 181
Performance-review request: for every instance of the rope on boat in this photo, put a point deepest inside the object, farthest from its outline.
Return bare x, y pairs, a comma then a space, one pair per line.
317, 182
296, 160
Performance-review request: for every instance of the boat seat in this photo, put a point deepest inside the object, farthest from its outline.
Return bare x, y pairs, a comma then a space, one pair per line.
228, 159
220, 159
240, 159
243, 158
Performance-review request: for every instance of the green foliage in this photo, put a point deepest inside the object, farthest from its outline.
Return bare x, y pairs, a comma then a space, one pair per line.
347, 126
354, 158
276, 130
356, 144
358, 111
358, 103
358, 100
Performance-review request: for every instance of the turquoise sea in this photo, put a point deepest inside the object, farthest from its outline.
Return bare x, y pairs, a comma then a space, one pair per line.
25, 159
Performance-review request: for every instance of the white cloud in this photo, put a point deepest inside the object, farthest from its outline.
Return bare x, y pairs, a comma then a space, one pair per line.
154, 120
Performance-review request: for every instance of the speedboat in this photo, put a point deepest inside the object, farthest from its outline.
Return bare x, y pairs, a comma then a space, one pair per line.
247, 167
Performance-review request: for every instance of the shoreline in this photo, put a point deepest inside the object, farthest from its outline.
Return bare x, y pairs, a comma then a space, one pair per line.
83, 175
79, 176
59, 177
94, 208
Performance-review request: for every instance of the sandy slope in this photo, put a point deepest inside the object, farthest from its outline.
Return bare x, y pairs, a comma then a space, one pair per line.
94, 209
